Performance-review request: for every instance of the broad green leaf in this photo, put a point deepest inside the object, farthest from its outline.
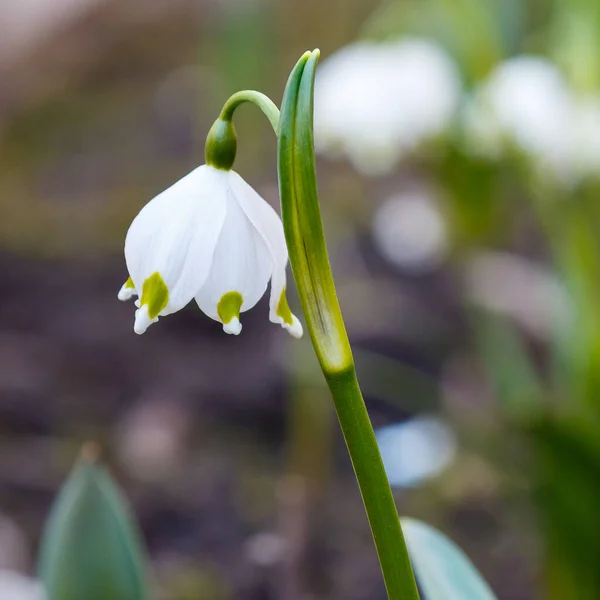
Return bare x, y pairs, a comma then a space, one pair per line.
91, 548
443, 570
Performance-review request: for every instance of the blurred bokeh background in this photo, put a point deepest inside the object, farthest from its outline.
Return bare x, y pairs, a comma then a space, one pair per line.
459, 171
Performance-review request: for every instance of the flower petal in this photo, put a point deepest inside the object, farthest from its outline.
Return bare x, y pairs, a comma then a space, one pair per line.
175, 234
282, 314
241, 266
127, 291
143, 319
267, 222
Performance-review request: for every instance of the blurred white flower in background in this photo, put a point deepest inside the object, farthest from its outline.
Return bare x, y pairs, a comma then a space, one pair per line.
374, 102
14, 586
409, 231
416, 450
525, 102
377, 102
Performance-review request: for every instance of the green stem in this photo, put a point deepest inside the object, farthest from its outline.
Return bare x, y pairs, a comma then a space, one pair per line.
263, 102
316, 289
373, 484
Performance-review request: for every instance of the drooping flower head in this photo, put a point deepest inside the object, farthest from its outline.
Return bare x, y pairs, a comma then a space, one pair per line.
212, 238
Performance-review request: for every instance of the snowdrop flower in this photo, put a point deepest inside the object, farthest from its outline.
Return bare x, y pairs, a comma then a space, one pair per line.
374, 102
526, 103
14, 586
212, 238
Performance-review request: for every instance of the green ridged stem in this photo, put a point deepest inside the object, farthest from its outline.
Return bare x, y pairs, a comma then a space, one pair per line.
263, 102
316, 290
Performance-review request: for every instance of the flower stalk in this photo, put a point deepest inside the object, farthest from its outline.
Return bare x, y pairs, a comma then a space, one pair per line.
259, 99
221, 142
316, 289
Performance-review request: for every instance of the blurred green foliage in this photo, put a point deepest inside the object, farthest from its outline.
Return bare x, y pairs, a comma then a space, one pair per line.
91, 548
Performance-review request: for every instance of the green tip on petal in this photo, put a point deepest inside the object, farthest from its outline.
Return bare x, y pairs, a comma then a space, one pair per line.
283, 309
155, 295
285, 317
228, 310
129, 284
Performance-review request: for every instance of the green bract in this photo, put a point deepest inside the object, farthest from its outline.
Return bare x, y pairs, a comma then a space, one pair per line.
221, 142
91, 549
302, 219
221, 145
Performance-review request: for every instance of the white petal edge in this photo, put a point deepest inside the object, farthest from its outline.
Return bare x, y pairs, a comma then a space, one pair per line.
126, 293
142, 320
234, 327
295, 329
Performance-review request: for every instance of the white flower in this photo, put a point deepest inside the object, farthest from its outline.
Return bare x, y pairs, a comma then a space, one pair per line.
14, 586
526, 103
374, 102
211, 237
